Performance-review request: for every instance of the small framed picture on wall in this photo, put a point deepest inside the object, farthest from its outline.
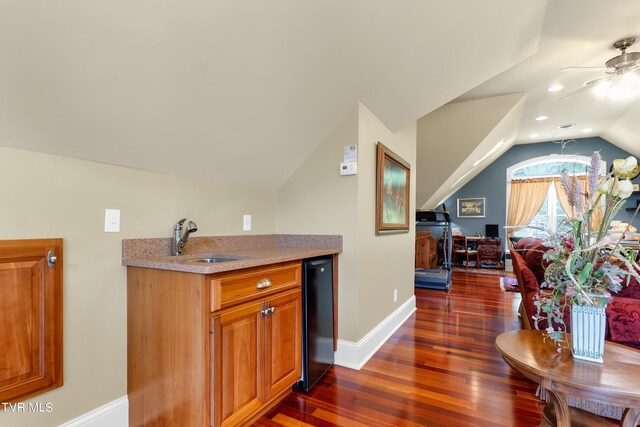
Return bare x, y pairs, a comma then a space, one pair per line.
471, 207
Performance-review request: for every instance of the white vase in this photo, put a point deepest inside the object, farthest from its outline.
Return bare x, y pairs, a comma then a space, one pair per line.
587, 332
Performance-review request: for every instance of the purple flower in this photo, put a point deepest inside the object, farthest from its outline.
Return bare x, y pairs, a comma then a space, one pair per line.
565, 180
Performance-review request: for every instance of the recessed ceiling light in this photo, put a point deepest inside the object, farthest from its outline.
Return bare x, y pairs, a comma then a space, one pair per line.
534, 135
555, 88
541, 118
586, 130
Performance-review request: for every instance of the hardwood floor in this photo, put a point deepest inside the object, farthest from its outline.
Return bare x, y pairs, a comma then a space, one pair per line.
440, 368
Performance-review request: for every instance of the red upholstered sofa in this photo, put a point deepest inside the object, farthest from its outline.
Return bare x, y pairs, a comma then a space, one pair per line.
623, 311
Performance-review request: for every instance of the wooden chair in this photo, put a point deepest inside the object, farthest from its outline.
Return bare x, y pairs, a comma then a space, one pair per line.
490, 252
461, 249
425, 250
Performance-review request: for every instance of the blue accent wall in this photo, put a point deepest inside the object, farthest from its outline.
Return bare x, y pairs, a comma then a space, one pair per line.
491, 183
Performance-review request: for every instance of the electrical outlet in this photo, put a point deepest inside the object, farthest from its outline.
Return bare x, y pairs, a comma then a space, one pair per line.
395, 295
246, 226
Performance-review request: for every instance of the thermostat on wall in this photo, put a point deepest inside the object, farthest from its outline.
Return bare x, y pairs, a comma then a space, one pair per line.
348, 168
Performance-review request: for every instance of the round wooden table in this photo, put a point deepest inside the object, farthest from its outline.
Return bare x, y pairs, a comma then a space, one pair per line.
616, 381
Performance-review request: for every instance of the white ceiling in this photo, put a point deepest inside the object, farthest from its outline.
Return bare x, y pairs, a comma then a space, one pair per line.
242, 91
575, 33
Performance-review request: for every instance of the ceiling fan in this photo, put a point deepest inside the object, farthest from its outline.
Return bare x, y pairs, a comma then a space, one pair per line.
625, 64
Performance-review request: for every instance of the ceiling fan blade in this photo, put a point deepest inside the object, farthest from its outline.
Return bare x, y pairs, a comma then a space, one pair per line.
587, 85
586, 69
634, 66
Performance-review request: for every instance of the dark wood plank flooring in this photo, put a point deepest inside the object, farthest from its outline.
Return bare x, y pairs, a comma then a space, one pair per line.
439, 369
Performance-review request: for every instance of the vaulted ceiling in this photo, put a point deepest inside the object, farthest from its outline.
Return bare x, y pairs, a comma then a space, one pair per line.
239, 91
575, 33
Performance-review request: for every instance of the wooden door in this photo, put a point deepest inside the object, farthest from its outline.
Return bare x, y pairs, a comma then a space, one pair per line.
238, 364
30, 318
283, 329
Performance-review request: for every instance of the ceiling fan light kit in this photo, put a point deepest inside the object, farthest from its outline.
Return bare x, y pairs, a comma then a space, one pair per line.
621, 86
624, 60
622, 80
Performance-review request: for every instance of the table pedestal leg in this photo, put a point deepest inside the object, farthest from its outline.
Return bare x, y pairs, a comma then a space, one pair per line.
561, 409
575, 417
630, 417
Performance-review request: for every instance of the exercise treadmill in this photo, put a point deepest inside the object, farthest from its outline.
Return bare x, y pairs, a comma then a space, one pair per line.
436, 278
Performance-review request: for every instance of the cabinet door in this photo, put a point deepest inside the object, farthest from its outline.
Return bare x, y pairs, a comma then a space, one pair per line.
238, 364
30, 318
283, 328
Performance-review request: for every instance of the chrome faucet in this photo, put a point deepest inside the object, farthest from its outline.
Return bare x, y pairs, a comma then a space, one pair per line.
180, 236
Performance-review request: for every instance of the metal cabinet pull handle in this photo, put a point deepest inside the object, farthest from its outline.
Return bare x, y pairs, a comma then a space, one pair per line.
51, 258
264, 283
266, 310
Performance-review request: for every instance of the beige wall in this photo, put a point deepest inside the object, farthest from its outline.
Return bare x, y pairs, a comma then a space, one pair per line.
49, 196
385, 262
473, 128
316, 199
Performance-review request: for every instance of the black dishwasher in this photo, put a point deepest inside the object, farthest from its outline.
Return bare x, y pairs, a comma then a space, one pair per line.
317, 320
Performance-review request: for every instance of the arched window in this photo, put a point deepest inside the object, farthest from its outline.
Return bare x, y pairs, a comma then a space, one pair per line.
546, 167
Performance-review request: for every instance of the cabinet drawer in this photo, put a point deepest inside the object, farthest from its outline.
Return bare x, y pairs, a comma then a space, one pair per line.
235, 287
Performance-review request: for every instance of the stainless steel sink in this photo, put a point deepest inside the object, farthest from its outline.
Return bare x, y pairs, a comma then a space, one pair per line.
214, 259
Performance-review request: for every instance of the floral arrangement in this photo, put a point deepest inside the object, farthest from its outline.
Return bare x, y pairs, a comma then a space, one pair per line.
583, 263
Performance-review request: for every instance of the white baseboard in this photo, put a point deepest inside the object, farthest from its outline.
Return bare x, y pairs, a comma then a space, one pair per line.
355, 355
113, 414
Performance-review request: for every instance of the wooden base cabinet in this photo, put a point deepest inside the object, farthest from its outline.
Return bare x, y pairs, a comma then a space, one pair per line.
283, 343
30, 317
256, 356
238, 365
215, 349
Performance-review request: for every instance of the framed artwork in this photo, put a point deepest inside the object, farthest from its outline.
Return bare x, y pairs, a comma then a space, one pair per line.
472, 207
392, 192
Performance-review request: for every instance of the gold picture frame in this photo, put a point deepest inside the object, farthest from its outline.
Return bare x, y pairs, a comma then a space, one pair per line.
393, 177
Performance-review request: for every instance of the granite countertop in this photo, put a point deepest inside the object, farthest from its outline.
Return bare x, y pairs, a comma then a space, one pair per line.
244, 251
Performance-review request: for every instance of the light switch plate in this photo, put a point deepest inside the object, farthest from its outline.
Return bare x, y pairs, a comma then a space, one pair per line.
246, 226
112, 220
